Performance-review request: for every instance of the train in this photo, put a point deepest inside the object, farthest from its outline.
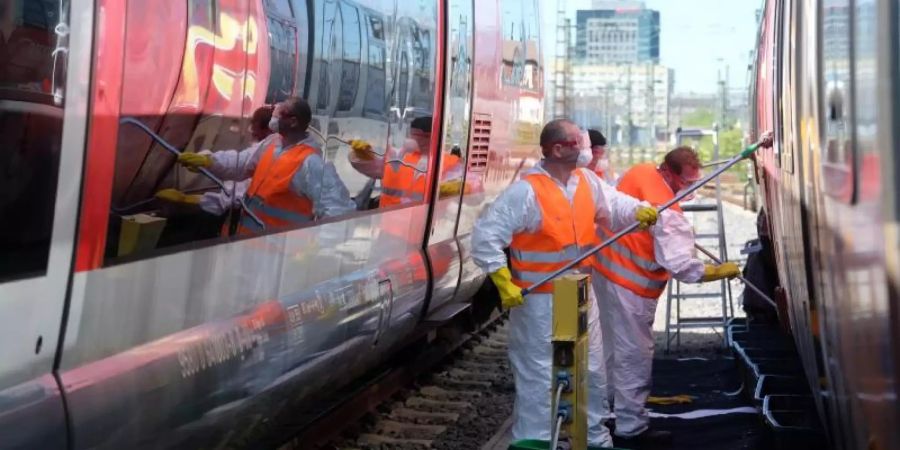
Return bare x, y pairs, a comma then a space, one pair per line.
126, 322
825, 80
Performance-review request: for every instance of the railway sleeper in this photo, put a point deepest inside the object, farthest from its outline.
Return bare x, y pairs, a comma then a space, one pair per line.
426, 404
423, 417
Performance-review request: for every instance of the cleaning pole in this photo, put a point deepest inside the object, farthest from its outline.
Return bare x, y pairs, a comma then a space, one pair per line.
764, 141
739, 277
171, 149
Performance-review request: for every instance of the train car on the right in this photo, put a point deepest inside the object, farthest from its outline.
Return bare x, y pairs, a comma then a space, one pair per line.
825, 81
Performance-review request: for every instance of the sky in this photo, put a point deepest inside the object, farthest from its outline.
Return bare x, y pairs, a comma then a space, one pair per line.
698, 39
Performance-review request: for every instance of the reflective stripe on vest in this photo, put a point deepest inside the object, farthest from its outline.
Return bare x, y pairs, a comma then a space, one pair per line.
567, 230
630, 262
270, 194
259, 207
567, 254
633, 277
624, 251
402, 195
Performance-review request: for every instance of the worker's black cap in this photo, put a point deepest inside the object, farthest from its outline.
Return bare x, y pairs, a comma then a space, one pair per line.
422, 123
596, 137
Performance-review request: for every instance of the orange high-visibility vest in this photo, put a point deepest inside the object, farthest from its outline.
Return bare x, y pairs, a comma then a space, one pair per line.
567, 230
630, 262
402, 182
270, 196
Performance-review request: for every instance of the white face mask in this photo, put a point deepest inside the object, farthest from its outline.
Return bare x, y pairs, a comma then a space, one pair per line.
603, 164
273, 124
584, 157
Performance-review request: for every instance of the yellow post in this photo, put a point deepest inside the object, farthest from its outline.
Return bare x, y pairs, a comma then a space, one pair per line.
570, 358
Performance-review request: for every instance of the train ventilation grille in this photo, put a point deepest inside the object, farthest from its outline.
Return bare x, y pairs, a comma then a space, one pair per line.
481, 141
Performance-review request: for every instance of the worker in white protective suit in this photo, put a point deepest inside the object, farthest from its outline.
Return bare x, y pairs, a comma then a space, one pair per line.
236, 168
229, 165
546, 218
631, 275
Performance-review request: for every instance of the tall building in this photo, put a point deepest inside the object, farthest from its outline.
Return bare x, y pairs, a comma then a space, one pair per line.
628, 102
617, 32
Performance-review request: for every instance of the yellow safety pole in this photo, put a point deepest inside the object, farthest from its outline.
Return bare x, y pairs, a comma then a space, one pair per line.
570, 361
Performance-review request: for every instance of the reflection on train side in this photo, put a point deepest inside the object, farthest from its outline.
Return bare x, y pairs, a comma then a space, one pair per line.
364, 78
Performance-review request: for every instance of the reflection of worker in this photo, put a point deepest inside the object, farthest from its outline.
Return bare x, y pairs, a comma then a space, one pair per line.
547, 218
292, 184
634, 271
234, 166
403, 171
600, 157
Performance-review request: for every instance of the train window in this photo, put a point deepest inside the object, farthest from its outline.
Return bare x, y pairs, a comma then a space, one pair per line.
533, 72
31, 122
521, 47
458, 100
867, 162
351, 59
282, 50
375, 100
838, 161
278, 8
329, 30
304, 39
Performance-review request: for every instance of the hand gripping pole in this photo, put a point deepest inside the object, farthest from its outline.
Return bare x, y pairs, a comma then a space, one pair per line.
746, 281
159, 140
765, 141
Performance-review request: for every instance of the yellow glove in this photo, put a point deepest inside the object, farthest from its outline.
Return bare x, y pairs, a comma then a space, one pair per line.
192, 161
714, 272
646, 216
510, 294
362, 149
176, 196
450, 188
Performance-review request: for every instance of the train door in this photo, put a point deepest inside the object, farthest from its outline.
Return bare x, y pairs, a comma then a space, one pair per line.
443, 249
43, 105
797, 207
835, 180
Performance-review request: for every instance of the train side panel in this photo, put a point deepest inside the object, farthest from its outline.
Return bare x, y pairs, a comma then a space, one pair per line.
193, 337
44, 97
507, 114
825, 195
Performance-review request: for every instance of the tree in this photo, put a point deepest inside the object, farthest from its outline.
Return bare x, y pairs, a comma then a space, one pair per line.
730, 138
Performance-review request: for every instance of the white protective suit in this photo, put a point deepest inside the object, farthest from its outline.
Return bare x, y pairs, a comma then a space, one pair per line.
317, 179
516, 210
230, 166
628, 325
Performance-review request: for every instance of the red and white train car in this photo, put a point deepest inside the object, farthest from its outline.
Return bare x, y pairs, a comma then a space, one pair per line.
826, 82
194, 337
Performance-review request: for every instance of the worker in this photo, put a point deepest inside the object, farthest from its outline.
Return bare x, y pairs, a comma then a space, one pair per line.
633, 273
547, 218
233, 166
291, 184
600, 158
403, 170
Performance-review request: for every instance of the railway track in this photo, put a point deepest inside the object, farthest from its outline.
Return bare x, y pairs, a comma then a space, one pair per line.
456, 401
